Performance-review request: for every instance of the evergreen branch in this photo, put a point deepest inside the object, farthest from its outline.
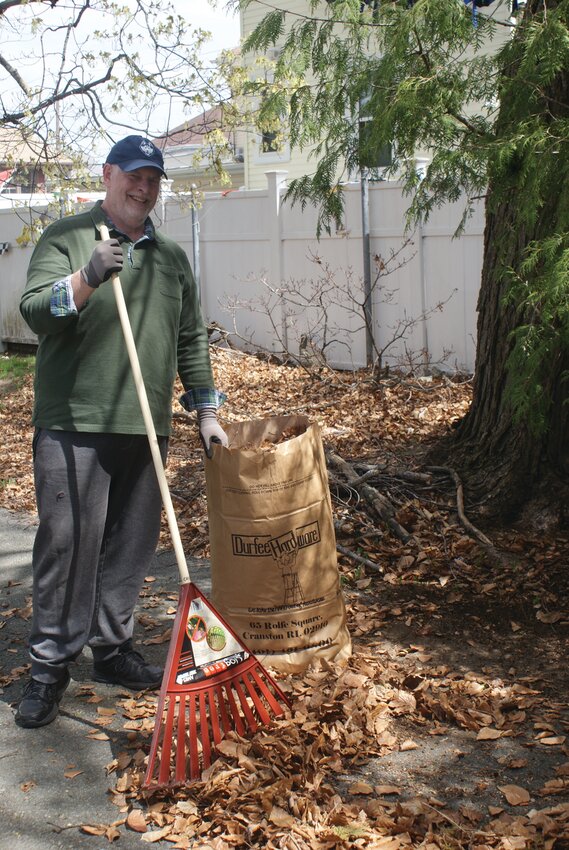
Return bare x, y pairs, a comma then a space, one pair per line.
275, 8
472, 128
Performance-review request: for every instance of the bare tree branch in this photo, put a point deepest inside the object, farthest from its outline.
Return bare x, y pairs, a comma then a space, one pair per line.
15, 75
81, 89
470, 528
85, 72
5, 5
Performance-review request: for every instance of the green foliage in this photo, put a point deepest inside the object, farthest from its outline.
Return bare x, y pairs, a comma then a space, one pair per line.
540, 293
488, 104
416, 72
268, 31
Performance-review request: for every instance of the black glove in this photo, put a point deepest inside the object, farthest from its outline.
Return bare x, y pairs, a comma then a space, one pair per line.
106, 259
210, 429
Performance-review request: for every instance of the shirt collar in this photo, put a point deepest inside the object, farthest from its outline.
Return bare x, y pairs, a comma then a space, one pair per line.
149, 229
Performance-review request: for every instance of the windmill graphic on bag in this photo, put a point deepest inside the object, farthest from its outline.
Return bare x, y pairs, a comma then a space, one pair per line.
284, 550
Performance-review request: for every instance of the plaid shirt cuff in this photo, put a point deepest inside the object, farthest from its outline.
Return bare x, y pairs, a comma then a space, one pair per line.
200, 397
61, 302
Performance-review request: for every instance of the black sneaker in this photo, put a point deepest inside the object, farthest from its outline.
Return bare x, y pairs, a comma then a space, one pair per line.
40, 702
129, 669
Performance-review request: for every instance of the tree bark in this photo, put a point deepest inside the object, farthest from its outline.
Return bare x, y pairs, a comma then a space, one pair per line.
503, 463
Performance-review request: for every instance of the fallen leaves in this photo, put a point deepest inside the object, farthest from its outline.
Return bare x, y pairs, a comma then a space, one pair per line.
156, 835
551, 616
136, 821
277, 783
71, 772
306, 782
555, 741
488, 734
360, 788
515, 795
108, 831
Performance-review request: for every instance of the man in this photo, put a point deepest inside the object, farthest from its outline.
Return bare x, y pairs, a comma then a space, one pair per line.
96, 489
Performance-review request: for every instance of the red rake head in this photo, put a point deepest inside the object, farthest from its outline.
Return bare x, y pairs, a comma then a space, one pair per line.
200, 703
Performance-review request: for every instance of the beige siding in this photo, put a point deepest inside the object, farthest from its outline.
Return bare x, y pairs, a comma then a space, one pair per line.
296, 163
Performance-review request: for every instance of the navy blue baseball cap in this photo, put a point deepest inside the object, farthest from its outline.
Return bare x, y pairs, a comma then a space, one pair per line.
136, 152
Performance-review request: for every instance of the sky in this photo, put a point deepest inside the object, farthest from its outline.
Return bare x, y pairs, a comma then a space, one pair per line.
221, 22
223, 25
22, 47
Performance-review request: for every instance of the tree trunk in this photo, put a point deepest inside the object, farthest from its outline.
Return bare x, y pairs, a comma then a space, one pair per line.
503, 464
500, 461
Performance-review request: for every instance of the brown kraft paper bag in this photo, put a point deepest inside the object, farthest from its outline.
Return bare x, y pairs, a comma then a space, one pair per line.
273, 548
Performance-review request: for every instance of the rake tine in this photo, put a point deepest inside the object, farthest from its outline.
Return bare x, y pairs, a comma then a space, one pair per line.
238, 720
267, 693
257, 701
204, 730
225, 719
213, 715
167, 743
193, 740
155, 743
249, 716
181, 740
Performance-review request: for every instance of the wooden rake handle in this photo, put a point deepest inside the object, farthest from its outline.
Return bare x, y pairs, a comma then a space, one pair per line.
148, 423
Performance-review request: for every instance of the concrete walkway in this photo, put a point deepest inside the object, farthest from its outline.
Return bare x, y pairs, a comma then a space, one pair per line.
40, 807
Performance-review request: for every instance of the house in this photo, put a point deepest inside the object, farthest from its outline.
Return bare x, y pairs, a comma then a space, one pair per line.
28, 164
261, 154
189, 148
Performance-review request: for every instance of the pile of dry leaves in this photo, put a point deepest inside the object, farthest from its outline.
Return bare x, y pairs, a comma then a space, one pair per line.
442, 730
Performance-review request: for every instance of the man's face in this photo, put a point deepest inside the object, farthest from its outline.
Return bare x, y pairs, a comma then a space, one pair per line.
131, 196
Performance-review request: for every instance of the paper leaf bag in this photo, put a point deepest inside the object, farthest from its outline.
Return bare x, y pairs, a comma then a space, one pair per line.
273, 550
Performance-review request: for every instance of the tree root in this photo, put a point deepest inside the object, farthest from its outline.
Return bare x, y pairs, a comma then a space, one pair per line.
468, 526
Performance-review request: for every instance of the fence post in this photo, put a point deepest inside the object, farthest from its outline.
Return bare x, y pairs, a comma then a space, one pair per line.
196, 243
276, 181
421, 165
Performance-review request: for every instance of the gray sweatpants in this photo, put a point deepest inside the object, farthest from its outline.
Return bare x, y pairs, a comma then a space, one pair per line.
99, 520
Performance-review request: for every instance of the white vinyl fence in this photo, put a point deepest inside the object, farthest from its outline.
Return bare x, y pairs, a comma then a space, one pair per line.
266, 278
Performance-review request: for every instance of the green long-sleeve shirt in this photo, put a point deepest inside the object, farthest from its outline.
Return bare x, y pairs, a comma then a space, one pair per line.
83, 376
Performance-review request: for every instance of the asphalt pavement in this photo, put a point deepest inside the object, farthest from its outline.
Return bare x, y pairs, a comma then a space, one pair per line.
54, 779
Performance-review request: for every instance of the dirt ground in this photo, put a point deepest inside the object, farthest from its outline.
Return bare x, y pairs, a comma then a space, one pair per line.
471, 639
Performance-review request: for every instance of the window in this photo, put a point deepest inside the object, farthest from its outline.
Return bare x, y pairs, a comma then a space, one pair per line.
269, 142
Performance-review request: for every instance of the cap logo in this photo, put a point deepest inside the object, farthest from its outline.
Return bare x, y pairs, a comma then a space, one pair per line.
147, 147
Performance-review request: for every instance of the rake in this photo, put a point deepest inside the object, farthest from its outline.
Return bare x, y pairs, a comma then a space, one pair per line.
212, 683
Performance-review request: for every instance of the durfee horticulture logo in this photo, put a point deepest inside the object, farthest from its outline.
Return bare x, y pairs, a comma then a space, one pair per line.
284, 550
265, 546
